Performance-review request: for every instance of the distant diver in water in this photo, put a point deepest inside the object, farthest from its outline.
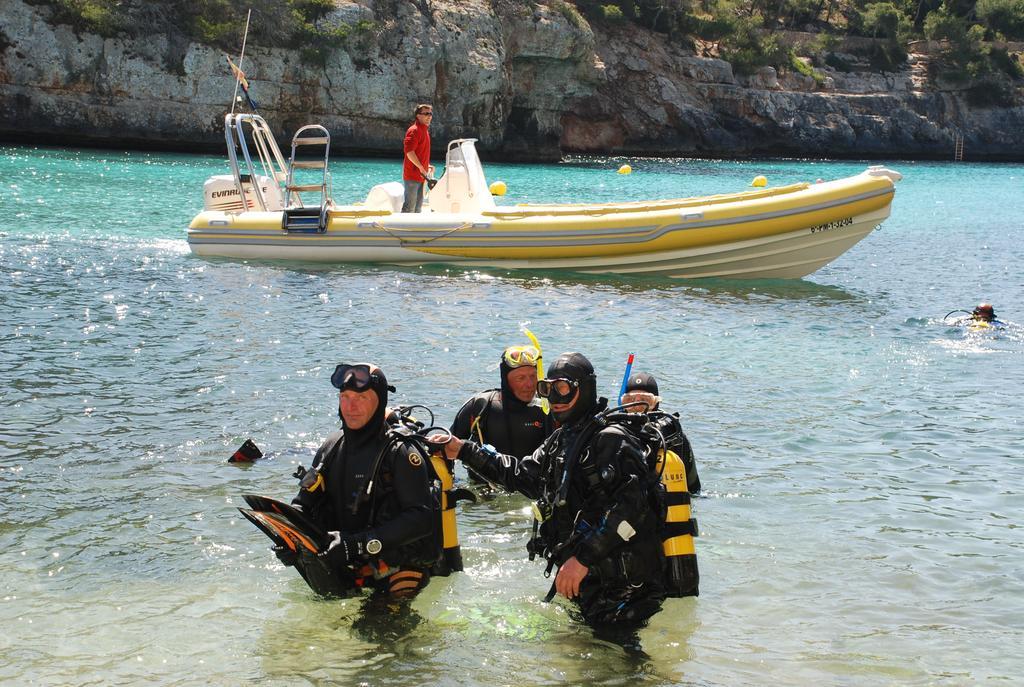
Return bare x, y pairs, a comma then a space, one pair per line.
984, 313
982, 317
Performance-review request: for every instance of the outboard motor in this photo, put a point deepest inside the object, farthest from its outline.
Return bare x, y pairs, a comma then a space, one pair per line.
220, 193
387, 196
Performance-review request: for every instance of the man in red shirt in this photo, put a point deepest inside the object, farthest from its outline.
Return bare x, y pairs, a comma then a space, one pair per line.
417, 165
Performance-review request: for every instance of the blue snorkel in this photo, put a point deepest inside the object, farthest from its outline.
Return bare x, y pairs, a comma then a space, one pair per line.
625, 377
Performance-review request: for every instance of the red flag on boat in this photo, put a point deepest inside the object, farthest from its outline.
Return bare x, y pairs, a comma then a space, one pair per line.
242, 81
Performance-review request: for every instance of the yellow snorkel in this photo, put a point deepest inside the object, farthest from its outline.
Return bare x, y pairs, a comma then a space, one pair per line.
540, 363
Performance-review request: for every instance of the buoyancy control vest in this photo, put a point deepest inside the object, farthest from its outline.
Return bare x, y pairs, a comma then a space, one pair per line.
581, 491
666, 476
440, 551
440, 472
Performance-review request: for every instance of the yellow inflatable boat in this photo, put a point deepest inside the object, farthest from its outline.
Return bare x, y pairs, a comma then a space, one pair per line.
785, 232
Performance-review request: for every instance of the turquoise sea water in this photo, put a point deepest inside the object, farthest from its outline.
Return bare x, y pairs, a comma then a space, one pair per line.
862, 460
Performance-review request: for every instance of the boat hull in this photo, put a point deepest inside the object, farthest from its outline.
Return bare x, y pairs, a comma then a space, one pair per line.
781, 233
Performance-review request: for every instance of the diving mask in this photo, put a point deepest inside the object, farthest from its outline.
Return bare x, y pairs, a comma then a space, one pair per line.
646, 397
359, 377
519, 356
557, 390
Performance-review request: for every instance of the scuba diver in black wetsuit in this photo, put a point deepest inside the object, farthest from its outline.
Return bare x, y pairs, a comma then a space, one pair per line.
369, 488
510, 419
597, 510
982, 317
643, 388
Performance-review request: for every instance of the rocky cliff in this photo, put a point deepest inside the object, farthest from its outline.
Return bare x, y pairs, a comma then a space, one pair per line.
530, 84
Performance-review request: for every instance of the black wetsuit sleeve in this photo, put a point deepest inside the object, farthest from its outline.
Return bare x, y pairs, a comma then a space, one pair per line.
627, 512
515, 474
411, 485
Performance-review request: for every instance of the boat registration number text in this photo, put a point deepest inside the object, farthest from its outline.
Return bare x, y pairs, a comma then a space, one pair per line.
837, 224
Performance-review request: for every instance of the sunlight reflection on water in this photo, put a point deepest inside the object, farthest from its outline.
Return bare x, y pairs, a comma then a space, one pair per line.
862, 459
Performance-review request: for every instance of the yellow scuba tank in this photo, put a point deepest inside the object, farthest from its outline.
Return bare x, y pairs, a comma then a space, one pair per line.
452, 561
679, 529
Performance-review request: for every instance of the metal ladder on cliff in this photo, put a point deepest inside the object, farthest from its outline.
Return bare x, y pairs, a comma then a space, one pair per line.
958, 149
299, 217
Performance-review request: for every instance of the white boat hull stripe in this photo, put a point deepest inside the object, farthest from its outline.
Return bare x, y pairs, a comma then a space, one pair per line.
477, 239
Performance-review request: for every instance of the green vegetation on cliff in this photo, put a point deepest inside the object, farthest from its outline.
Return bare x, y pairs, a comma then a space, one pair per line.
299, 24
746, 33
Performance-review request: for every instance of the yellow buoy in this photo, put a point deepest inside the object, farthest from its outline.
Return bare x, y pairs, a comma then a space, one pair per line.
625, 169
497, 188
759, 181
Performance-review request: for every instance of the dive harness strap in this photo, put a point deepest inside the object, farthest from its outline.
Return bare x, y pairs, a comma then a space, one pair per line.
476, 424
366, 487
394, 438
542, 509
479, 412
547, 572
556, 553
677, 498
678, 529
313, 479
593, 426
530, 546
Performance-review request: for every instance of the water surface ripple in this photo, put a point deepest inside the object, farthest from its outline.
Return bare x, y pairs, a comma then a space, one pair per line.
862, 460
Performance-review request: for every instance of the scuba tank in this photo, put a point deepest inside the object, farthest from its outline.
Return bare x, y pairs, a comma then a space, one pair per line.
451, 561
441, 472
679, 529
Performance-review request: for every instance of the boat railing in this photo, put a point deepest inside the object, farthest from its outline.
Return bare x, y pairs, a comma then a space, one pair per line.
269, 162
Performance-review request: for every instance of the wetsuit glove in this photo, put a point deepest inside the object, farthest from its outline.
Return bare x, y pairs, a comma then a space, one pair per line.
285, 555
344, 551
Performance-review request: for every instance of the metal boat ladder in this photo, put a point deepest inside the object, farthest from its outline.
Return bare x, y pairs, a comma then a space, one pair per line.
315, 143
